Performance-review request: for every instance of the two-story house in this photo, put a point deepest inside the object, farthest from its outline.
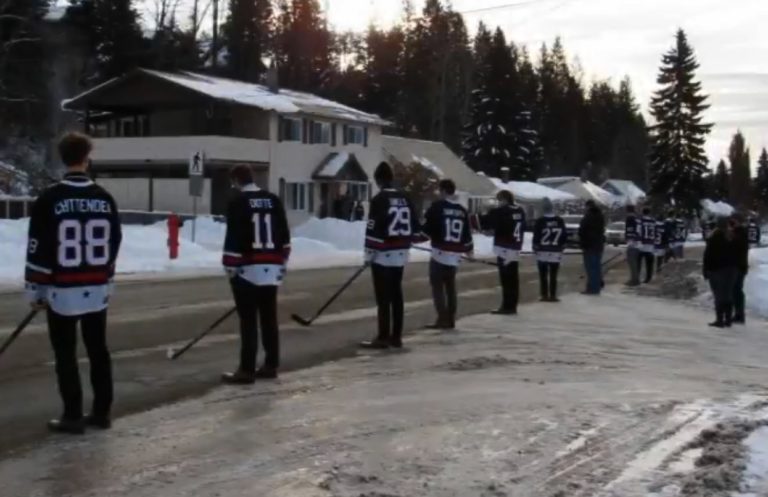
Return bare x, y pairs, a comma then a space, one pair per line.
148, 124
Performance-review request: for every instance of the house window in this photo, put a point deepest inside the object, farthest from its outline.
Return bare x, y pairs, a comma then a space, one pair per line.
296, 196
355, 135
290, 129
320, 132
359, 191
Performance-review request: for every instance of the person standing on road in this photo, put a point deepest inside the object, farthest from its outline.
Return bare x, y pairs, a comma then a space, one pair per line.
720, 269
592, 241
549, 239
741, 252
661, 243
447, 226
647, 243
681, 236
257, 246
632, 235
507, 222
754, 233
392, 226
74, 240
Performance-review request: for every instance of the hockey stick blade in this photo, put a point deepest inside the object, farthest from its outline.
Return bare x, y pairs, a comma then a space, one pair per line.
301, 320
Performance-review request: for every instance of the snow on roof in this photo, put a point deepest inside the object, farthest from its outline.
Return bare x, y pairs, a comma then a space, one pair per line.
626, 189
600, 195
527, 190
332, 167
556, 181
720, 208
10, 169
428, 164
243, 93
585, 190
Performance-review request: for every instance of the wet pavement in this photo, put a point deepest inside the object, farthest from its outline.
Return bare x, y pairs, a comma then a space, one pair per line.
593, 396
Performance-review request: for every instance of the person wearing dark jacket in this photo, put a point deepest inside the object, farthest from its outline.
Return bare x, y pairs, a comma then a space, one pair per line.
592, 241
632, 230
720, 268
741, 252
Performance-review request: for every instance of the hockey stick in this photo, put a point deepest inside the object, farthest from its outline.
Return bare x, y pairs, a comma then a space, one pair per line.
20, 328
463, 258
175, 354
308, 322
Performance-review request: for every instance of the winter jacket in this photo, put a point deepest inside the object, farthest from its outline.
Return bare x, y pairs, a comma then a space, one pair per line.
740, 245
719, 253
592, 230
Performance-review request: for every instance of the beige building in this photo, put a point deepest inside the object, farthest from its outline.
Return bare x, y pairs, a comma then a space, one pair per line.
148, 124
318, 154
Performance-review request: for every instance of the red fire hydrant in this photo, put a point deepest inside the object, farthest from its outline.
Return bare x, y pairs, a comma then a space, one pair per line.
174, 223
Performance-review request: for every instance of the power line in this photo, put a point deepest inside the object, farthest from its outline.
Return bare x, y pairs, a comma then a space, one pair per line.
502, 6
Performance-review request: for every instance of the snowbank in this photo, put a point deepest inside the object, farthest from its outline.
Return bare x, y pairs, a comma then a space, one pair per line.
719, 209
756, 284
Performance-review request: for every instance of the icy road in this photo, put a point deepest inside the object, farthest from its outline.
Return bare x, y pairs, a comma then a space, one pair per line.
617, 396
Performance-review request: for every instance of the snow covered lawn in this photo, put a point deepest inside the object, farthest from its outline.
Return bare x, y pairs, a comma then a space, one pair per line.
316, 244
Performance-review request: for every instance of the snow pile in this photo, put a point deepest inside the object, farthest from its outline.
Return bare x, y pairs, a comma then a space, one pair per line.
719, 209
526, 190
756, 284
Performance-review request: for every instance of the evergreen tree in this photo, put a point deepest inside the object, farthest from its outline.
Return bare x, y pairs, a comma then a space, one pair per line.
116, 39
247, 37
678, 160
741, 175
721, 182
761, 181
382, 80
489, 143
527, 151
22, 67
303, 46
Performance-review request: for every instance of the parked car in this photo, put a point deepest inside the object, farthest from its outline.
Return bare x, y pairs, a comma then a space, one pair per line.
615, 233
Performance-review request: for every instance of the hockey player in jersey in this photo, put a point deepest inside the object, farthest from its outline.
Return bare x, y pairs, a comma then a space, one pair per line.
392, 225
753, 231
680, 236
257, 245
507, 222
74, 239
648, 243
632, 235
447, 226
549, 239
661, 243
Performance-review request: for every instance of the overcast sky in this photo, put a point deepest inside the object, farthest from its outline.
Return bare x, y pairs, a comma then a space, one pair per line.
613, 38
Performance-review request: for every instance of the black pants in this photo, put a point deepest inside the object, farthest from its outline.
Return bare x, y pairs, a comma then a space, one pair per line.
548, 279
63, 334
738, 296
388, 288
257, 305
723, 282
443, 280
648, 259
509, 275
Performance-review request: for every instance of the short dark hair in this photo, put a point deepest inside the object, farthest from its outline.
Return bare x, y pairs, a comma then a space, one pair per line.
447, 186
630, 209
672, 213
506, 196
646, 211
74, 148
241, 175
384, 174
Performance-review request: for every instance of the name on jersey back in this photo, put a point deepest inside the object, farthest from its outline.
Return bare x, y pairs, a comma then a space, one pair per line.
260, 203
76, 205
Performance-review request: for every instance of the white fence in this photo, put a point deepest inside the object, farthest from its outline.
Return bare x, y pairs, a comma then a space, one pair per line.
12, 207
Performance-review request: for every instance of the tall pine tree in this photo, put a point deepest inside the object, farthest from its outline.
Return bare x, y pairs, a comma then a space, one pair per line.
761, 181
247, 37
721, 182
489, 143
741, 174
678, 160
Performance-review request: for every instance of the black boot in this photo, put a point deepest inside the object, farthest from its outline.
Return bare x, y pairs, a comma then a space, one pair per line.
719, 317
728, 316
239, 377
68, 426
100, 422
376, 344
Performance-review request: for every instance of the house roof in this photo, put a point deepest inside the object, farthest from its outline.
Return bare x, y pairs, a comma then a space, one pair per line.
531, 192
626, 189
437, 157
340, 165
582, 189
239, 92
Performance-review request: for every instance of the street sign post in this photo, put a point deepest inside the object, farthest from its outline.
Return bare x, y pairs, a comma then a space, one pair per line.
196, 184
